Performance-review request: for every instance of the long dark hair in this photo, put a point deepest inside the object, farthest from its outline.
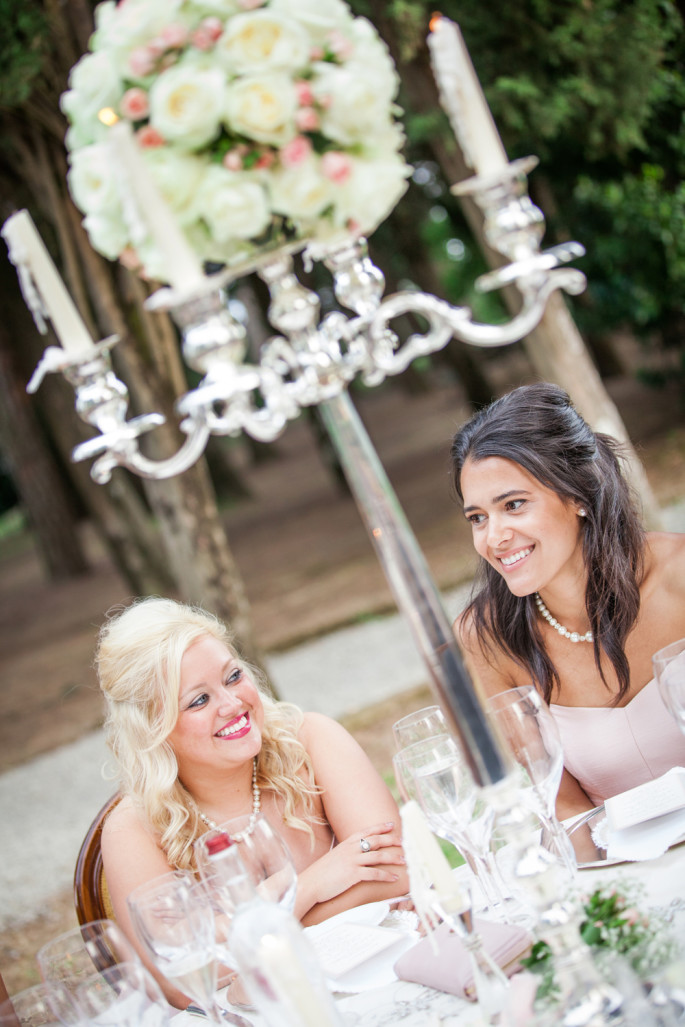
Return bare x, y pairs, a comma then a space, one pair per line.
537, 427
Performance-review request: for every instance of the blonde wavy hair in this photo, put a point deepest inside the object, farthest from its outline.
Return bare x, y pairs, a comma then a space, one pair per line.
138, 662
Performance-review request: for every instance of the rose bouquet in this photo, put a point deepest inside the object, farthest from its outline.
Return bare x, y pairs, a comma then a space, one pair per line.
261, 122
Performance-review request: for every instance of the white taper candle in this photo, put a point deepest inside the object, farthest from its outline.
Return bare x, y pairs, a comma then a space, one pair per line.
43, 289
183, 268
423, 852
463, 100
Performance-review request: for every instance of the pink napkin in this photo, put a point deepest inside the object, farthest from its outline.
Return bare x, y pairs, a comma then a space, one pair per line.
449, 969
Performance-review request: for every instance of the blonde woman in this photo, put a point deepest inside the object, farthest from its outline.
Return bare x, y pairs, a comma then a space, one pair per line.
198, 739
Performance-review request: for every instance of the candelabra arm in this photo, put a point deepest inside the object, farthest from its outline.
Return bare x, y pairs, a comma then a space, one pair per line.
414, 590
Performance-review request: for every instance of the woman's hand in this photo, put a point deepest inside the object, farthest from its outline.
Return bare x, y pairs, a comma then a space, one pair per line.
348, 863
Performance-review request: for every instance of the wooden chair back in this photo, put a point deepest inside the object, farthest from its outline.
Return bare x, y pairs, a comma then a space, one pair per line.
91, 897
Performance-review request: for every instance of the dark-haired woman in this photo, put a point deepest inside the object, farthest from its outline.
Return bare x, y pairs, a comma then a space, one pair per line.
574, 595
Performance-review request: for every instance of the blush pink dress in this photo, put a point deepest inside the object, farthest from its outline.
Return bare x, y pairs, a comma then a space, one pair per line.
611, 749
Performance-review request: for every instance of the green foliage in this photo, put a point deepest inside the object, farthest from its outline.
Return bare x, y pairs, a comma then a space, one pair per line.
611, 923
23, 45
596, 89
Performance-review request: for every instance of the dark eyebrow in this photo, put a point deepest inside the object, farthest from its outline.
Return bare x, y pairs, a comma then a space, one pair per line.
501, 498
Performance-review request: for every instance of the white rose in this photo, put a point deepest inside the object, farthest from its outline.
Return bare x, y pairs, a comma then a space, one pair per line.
186, 104
208, 248
262, 107
177, 176
301, 192
232, 205
359, 100
107, 232
130, 24
92, 179
262, 41
372, 190
370, 49
319, 17
94, 83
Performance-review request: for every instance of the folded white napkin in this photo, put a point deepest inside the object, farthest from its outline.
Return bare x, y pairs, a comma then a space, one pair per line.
643, 822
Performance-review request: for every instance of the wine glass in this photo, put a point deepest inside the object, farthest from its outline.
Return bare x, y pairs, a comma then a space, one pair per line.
434, 773
264, 854
125, 995
76, 954
533, 737
669, 671
490, 981
46, 1004
173, 917
418, 725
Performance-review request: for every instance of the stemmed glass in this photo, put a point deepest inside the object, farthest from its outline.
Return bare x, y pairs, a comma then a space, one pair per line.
533, 737
71, 957
125, 995
173, 917
669, 671
264, 854
434, 773
420, 724
490, 981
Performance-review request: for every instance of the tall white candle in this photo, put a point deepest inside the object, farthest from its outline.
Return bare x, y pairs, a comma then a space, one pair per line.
43, 289
183, 268
423, 853
463, 100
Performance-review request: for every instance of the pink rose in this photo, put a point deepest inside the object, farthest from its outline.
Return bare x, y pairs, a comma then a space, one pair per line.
213, 26
232, 161
202, 38
266, 159
249, 5
296, 152
316, 53
336, 166
305, 97
156, 46
148, 137
134, 104
174, 36
141, 61
306, 119
340, 45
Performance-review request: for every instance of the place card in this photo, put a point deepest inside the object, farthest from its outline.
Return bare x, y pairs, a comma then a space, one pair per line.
649, 800
343, 946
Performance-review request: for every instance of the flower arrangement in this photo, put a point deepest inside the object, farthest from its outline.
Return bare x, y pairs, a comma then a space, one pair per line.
611, 923
261, 122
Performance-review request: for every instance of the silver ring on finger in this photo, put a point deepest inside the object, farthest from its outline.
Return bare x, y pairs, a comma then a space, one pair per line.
364, 845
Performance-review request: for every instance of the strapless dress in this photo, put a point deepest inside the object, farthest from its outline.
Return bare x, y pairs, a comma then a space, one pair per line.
611, 749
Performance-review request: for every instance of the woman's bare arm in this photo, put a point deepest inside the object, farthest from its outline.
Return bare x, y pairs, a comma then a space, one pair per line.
357, 803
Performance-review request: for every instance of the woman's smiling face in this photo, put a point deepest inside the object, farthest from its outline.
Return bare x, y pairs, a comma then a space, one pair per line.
523, 529
221, 714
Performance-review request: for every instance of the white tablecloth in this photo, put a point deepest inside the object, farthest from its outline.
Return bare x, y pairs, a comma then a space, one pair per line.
413, 1005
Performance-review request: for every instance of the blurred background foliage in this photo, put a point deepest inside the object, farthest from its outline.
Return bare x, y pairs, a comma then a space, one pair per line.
595, 89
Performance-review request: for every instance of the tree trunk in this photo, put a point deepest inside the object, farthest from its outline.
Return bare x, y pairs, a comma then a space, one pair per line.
45, 500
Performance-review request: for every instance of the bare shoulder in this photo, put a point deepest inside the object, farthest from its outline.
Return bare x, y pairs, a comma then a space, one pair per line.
494, 669
316, 726
666, 561
123, 823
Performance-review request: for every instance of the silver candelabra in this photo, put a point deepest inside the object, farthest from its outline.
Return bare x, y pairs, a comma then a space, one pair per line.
311, 362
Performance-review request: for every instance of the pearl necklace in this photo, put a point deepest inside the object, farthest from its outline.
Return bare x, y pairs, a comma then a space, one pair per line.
256, 807
573, 636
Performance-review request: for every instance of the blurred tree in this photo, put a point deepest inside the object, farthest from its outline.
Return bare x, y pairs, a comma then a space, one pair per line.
189, 554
